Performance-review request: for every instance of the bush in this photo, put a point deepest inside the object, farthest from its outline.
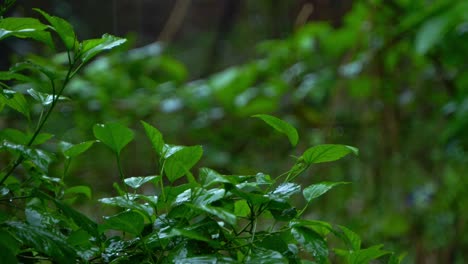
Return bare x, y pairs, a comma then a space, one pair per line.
171, 216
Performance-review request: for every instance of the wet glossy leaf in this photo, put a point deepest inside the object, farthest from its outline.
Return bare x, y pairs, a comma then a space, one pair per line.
312, 243
63, 29
75, 150
39, 157
137, 182
80, 189
43, 98
24, 27
266, 256
129, 203
16, 101
179, 163
92, 47
316, 190
79, 218
210, 177
219, 212
205, 260
4, 191
129, 221
282, 127
326, 153
431, 32
114, 135
284, 191
155, 137
45, 241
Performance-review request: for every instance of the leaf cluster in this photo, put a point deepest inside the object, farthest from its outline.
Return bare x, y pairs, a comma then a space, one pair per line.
203, 218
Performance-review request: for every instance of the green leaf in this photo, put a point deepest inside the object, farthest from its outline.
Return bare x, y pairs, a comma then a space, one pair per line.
327, 153
50, 243
364, 256
39, 157
14, 135
80, 219
241, 208
284, 191
43, 98
265, 256
155, 137
316, 190
40, 138
80, 189
179, 163
92, 47
312, 243
129, 221
25, 27
9, 247
137, 182
16, 101
75, 150
431, 33
129, 203
210, 177
114, 135
218, 212
281, 126
4, 191
63, 29
351, 238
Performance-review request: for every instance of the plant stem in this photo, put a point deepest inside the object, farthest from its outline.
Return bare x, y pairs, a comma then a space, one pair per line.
41, 123
122, 176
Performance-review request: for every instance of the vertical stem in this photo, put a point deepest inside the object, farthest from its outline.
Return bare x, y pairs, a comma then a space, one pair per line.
121, 174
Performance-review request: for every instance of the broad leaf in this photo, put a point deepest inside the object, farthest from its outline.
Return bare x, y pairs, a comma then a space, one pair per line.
431, 32
80, 189
284, 191
363, 255
316, 190
282, 127
92, 47
75, 150
50, 243
312, 243
266, 256
137, 182
43, 98
80, 219
210, 177
25, 27
129, 203
9, 247
351, 238
327, 153
16, 101
39, 157
114, 135
179, 163
129, 221
63, 29
155, 137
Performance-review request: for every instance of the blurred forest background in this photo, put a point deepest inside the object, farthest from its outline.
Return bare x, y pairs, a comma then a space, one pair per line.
389, 77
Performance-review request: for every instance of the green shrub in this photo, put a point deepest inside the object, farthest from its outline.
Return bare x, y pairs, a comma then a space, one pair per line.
208, 218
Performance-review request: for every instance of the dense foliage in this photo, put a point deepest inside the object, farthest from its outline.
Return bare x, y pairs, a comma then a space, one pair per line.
183, 218
389, 80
